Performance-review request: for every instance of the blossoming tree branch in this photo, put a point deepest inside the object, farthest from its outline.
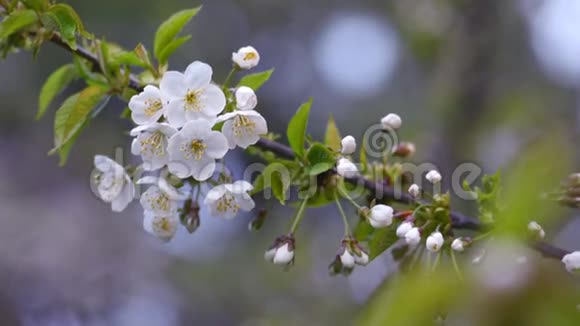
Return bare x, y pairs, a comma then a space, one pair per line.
186, 122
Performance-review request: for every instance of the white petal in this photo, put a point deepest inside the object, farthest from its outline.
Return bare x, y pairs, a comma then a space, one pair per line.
196, 129
241, 186
124, 198
283, 255
203, 169
213, 100
175, 113
347, 259
103, 163
228, 132
214, 194
197, 75
217, 145
245, 202
172, 85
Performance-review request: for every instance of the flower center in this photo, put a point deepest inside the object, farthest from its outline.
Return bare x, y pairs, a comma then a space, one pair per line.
195, 148
163, 224
192, 100
153, 144
227, 202
242, 125
161, 202
250, 56
153, 105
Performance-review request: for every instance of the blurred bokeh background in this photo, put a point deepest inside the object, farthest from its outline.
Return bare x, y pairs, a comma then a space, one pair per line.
473, 80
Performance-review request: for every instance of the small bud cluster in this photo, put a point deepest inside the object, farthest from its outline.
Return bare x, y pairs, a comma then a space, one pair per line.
282, 251
349, 254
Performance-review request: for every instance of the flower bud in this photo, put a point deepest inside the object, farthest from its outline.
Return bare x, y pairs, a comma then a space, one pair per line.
363, 259
348, 145
381, 216
457, 245
433, 176
246, 57
414, 191
246, 99
413, 237
282, 251
391, 121
434, 241
346, 168
404, 228
189, 215
536, 229
404, 149
347, 259
572, 262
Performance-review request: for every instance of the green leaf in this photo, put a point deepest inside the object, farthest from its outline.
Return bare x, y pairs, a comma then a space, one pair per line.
320, 159
382, 240
169, 29
296, 131
363, 155
67, 21
276, 177
64, 151
74, 112
55, 84
36, 4
16, 21
255, 81
363, 230
171, 47
332, 135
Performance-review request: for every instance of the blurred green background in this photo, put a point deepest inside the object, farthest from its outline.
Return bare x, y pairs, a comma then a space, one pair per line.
476, 81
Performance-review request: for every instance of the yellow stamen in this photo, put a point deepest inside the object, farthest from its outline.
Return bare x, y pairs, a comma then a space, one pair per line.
195, 148
153, 105
154, 144
227, 202
163, 224
192, 100
250, 56
161, 202
243, 125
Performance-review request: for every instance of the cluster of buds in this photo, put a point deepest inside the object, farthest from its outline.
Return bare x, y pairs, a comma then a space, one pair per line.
282, 251
569, 192
350, 254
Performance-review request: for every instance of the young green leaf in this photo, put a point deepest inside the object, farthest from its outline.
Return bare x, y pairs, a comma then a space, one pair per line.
169, 29
296, 131
16, 21
320, 159
276, 177
255, 81
36, 4
67, 20
172, 47
74, 112
55, 83
382, 240
332, 136
64, 150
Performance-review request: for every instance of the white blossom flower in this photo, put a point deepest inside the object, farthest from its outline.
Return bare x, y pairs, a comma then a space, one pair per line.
243, 128
413, 237
151, 144
163, 226
404, 228
160, 202
194, 149
347, 259
572, 262
246, 99
433, 176
191, 95
148, 106
391, 121
281, 255
113, 184
414, 190
346, 168
227, 199
537, 229
348, 145
457, 245
434, 241
381, 216
246, 57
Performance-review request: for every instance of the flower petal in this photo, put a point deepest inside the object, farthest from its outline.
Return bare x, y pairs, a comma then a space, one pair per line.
213, 99
197, 75
217, 145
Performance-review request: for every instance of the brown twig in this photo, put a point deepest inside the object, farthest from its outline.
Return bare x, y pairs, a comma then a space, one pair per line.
458, 220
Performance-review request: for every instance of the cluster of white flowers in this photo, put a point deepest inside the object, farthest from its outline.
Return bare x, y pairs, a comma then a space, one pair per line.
183, 127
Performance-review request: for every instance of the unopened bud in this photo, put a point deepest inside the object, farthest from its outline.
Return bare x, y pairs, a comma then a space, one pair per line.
404, 149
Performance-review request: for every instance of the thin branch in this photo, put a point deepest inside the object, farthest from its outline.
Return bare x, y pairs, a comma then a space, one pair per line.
381, 190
